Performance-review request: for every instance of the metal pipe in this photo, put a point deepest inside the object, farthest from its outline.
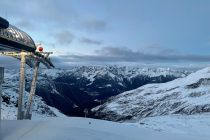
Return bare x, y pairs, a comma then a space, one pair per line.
20, 112
28, 112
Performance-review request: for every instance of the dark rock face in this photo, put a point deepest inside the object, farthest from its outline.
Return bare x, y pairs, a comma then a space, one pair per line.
72, 91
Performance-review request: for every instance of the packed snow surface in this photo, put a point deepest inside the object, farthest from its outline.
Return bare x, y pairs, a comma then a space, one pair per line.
83, 129
198, 124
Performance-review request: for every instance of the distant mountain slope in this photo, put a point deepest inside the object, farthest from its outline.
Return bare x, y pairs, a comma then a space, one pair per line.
189, 95
73, 90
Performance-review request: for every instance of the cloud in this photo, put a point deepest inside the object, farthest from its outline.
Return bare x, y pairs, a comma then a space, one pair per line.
64, 37
26, 24
39, 11
90, 41
50, 13
94, 24
123, 54
156, 49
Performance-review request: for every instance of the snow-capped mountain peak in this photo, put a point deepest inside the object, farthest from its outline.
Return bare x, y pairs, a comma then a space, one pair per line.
80, 87
189, 95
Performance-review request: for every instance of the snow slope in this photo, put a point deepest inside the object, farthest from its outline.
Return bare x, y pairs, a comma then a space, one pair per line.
10, 97
82, 129
189, 95
198, 124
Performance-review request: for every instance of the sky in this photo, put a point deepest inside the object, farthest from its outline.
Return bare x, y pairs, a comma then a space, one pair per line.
129, 32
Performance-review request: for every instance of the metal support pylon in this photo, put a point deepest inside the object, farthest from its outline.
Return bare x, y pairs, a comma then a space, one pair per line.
40, 57
28, 112
20, 112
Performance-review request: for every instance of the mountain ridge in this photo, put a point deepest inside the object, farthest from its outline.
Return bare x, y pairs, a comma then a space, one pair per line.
189, 95
72, 91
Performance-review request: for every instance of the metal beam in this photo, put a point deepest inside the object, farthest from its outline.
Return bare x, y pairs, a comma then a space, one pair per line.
28, 112
20, 113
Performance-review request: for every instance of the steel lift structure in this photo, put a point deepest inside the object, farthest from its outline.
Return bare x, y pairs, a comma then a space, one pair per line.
18, 44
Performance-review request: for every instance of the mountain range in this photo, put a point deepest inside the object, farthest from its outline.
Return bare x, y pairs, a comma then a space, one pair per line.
183, 96
82, 87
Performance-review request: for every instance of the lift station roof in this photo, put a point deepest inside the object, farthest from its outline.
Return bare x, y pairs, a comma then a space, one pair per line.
13, 39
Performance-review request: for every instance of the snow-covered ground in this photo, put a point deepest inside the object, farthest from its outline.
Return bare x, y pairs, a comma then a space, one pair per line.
83, 129
194, 125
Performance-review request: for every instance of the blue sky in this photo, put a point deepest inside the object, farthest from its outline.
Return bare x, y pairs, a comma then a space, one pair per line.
116, 31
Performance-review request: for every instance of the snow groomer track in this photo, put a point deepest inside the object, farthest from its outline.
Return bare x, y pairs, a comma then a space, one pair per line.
18, 44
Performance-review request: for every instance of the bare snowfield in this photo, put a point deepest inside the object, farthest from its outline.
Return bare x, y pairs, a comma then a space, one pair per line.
83, 129
194, 125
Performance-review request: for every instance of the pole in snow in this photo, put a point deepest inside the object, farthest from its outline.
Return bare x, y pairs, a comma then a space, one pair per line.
20, 113
28, 112
86, 112
1, 82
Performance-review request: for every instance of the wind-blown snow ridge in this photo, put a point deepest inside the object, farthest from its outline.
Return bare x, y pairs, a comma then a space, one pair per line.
189, 95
